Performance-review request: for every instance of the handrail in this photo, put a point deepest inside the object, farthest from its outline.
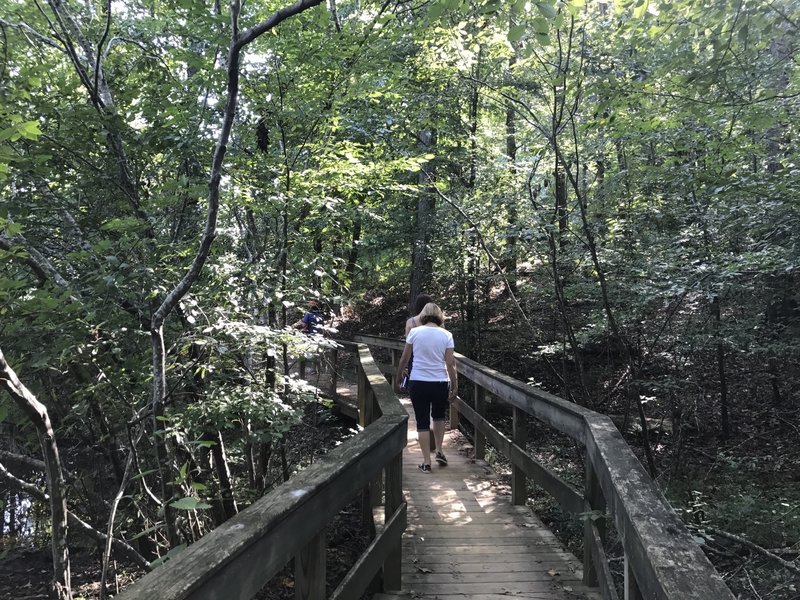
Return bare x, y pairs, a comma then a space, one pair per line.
661, 559
236, 559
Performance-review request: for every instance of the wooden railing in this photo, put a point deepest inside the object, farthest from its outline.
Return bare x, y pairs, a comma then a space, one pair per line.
661, 560
239, 557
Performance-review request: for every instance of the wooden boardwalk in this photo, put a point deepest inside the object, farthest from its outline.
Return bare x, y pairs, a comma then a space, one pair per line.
465, 540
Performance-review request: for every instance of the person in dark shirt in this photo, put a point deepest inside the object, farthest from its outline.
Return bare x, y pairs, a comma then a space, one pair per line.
312, 320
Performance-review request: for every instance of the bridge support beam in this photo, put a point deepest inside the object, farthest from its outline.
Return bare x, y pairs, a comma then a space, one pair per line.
479, 396
632, 591
333, 358
309, 570
593, 496
392, 567
519, 489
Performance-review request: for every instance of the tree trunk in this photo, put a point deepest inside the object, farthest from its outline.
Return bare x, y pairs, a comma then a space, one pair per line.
61, 585
223, 476
421, 255
510, 250
352, 255
561, 203
723, 380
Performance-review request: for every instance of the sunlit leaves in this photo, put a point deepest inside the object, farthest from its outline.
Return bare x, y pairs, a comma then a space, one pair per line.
189, 503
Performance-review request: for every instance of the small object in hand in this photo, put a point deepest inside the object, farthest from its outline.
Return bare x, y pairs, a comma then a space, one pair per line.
404, 382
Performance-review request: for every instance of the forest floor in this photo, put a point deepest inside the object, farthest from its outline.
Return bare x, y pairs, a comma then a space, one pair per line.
26, 570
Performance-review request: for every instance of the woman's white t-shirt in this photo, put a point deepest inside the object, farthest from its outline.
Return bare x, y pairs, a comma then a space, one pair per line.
429, 344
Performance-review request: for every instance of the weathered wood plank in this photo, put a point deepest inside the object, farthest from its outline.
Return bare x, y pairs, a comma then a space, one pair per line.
361, 575
558, 413
443, 594
602, 570
554, 587
564, 493
479, 399
394, 499
499, 565
663, 558
667, 564
519, 577
593, 529
497, 560
309, 579
382, 342
509, 531
384, 395
236, 559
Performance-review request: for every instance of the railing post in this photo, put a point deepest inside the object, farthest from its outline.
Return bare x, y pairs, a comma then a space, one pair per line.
594, 500
309, 570
363, 403
334, 360
392, 568
454, 415
363, 400
479, 396
395, 363
632, 591
519, 491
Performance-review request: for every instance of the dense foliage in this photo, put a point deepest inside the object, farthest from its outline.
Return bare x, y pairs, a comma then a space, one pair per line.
612, 185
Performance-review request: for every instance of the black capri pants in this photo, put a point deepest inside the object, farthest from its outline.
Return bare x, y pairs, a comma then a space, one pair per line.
430, 399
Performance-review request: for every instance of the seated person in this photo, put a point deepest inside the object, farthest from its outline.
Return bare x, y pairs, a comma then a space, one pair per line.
312, 320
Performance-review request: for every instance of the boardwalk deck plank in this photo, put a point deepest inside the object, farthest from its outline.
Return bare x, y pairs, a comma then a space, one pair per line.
466, 540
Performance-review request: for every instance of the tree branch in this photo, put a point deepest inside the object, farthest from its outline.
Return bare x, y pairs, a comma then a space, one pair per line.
34, 259
755, 547
124, 549
37, 414
27, 29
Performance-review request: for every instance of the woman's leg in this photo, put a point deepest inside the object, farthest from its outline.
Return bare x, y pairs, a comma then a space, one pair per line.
438, 434
424, 438
438, 412
420, 400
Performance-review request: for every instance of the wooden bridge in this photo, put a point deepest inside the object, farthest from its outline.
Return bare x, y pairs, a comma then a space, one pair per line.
451, 534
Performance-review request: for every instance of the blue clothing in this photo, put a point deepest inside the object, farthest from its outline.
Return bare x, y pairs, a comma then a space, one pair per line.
312, 322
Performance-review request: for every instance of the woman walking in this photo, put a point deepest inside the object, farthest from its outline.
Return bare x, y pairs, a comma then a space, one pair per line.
433, 381
419, 303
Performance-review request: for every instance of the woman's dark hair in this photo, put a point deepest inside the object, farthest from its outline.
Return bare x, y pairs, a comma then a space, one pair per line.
420, 302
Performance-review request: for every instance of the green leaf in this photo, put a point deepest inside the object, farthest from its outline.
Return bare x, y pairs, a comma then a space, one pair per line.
30, 130
171, 554
743, 31
541, 25
144, 473
122, 224
435, 11
146, 531
641, 9
189, 503
516, 32
547, 10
